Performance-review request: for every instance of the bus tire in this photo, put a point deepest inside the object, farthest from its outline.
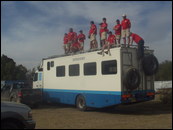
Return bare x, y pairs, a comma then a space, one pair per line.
81, 103
150, 64
132, 79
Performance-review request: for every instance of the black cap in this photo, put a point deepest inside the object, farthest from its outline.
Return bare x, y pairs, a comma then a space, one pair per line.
104, 18
117, 20
80, 31
92, 22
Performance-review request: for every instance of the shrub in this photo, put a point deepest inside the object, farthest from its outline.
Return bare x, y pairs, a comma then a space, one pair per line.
166, 95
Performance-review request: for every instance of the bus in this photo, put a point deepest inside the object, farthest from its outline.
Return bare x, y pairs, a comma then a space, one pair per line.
90, 80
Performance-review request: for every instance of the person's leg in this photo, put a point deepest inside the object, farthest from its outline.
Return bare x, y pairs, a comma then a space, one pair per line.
108, 47
91, 45
128, 40
119, 40
96, 44
140, 50
124, 36
128, 35
124, 39
100, 42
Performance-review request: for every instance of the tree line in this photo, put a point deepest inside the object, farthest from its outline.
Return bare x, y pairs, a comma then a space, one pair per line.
164, 71
11, 71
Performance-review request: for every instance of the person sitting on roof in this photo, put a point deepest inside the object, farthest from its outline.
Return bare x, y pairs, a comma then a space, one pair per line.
110, 42
75, 47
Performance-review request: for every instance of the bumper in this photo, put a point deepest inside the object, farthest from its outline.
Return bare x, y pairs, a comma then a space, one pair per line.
30, 124
137, 97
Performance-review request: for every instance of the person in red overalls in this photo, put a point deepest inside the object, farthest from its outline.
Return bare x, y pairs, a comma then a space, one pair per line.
110, 42
138, 40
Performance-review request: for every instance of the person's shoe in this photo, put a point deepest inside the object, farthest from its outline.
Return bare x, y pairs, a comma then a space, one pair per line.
99, 53
106, 52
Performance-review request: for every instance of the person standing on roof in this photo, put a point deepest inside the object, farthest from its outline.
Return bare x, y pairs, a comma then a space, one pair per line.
66, 45
92, 35
81, 38
103, 32
117, 29
70, 37
110, 42
138, 40
126, 25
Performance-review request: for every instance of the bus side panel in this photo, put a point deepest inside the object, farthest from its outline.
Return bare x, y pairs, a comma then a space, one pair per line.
97, 99
102, 100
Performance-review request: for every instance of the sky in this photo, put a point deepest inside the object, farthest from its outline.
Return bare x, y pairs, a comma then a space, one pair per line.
32, 30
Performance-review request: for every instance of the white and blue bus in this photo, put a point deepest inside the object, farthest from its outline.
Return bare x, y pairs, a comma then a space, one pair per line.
92, 80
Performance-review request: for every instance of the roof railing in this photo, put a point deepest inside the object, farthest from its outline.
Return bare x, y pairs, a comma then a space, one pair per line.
92, 50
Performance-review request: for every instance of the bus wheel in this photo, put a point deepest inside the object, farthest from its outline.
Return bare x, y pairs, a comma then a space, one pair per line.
81, 103
132, 79
150, 64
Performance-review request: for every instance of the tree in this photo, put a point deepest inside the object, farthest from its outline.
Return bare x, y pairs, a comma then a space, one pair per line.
9, 70
20, 72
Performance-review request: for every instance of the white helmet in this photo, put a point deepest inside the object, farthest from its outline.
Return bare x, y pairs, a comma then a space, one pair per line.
124, 15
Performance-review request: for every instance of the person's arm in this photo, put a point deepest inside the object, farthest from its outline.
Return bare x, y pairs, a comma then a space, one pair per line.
129, 24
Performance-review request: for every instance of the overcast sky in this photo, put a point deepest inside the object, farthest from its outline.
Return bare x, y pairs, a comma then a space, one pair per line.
32, 30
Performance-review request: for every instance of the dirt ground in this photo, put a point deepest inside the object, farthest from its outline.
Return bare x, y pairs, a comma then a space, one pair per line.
147, 115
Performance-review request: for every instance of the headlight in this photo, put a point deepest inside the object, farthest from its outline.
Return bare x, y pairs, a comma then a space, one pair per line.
30, 114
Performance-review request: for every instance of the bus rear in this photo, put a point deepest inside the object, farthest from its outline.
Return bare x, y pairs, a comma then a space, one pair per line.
137, 75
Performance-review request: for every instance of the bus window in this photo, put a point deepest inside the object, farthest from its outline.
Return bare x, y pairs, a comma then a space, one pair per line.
52, 63
48, 65
35, 76
74, 70
109, 67
39, 76
60, 71
90, 68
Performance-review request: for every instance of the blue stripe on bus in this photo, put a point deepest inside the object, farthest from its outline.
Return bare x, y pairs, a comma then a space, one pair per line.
97, 99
